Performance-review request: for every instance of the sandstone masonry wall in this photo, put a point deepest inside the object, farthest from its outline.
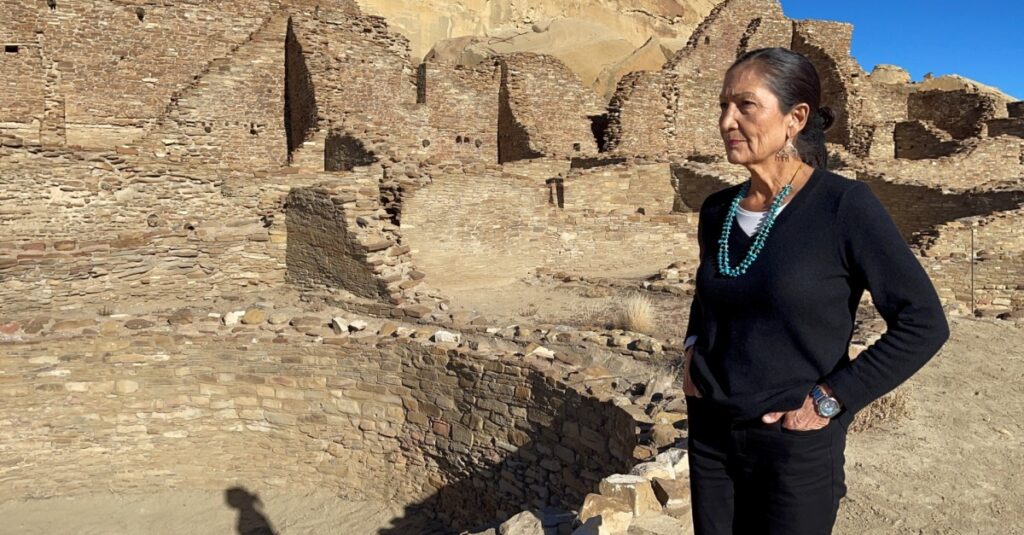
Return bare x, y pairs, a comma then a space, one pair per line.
961, 113
102, 227
543, 109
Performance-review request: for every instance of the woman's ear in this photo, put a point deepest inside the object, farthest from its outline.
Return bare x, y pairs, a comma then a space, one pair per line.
798, 117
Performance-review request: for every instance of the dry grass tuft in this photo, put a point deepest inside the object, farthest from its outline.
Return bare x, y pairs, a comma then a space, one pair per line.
636, 314
887, 409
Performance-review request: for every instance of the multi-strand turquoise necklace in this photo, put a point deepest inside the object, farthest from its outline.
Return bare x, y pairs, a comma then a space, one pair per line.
762, 232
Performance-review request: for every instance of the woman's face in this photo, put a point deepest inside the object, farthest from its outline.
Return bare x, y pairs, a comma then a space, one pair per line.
752, 125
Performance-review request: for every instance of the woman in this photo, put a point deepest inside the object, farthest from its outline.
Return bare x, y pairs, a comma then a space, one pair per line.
784, 260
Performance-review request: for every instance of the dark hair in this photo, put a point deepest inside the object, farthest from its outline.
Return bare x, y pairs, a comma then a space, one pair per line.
792, 78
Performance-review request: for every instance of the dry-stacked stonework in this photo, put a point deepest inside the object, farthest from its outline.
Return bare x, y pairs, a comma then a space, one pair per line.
225, 229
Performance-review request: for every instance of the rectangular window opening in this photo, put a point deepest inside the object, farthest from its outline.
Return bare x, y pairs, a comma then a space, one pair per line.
11, 49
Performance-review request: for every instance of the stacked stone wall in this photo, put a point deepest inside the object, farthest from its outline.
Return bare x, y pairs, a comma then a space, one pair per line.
995, 282
137, 56
827, 45
232, 116
357, 66
961, 113
642, 115
21, 95
624, 188
458, 233
1013, 126
92, 229
919, 140
917, 208
463, 107
544, 109
465, 437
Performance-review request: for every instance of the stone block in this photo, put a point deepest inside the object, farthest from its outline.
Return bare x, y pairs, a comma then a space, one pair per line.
672, 494
525, 523
603, 515
633, 490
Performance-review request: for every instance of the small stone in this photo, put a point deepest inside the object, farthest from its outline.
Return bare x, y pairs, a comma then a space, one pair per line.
339, 325
180, 317
653, 469
388, 329
525, 523
138, 323
417, 311
357, 325
542, 352
126, 386
677, 459
659, 525
233, 317
254, 316
672, 494
445, 336
664, 435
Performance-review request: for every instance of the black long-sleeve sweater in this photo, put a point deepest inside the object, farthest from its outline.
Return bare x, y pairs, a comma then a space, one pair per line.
765, 338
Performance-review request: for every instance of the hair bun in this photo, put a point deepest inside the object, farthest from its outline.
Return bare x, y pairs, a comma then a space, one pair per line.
827, 117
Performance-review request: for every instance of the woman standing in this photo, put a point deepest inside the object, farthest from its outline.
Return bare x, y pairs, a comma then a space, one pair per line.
784, 260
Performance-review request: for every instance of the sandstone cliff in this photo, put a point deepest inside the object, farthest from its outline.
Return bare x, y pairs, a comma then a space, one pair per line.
589, 36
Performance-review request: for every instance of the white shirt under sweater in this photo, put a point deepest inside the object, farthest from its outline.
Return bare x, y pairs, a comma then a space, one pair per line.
748, 221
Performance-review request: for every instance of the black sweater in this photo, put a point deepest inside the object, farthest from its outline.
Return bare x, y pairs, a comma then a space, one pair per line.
765, 338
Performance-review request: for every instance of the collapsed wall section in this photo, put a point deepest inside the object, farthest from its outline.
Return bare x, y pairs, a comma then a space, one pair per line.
961, 113
340, 236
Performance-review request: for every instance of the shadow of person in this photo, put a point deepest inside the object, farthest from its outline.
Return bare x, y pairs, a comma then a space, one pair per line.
250, 520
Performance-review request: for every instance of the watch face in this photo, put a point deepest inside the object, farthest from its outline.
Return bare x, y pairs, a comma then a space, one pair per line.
828, 407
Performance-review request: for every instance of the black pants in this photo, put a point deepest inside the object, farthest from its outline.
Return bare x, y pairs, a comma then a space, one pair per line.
751, 478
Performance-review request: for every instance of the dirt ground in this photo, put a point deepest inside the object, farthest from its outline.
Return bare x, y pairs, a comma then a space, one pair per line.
195, 512
952, 466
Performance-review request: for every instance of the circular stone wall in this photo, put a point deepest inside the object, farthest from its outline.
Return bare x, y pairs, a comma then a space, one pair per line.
457, 438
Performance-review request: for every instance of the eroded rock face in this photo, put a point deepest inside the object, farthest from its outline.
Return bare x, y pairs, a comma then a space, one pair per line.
589, 36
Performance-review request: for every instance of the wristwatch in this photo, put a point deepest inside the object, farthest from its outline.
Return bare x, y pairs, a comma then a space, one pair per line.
826, 405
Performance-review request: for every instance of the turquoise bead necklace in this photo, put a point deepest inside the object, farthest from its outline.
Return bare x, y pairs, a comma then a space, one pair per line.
762, 232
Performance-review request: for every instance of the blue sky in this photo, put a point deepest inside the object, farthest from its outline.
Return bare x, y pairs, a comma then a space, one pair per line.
982, 40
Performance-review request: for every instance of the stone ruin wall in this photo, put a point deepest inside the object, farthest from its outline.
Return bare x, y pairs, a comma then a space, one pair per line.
500, 224
462, 435
95, 228
462, 105
543, 110
995, 277
104, 77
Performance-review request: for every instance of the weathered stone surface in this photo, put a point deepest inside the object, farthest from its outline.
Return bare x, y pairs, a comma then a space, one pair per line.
604, 515
673, 494
525, 523
633, 490
254, 316
659, 525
